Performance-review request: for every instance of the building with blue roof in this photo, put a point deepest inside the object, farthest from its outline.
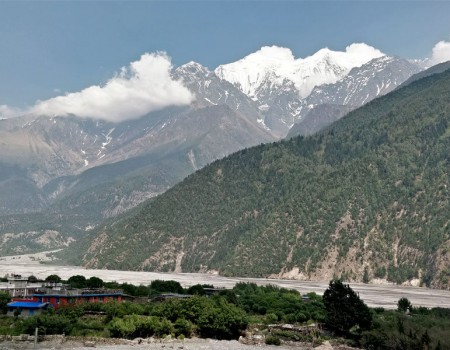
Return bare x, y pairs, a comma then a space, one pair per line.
26, 308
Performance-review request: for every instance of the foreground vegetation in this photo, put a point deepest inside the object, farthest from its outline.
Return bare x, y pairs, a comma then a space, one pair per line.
339, 316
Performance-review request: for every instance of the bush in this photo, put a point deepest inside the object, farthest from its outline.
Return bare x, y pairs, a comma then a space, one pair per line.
87, 326
159, 286
286, 304
198, 289
221, 320
272, 340
183, 327
48, 324
404, 305
271, 318
4, 300
133, 326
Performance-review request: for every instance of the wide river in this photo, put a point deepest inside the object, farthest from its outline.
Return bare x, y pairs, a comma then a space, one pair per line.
374, 295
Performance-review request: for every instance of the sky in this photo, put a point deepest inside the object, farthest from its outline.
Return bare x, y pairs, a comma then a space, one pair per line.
51, 48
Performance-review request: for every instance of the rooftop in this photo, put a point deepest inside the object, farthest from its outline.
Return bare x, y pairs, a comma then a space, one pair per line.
27, 304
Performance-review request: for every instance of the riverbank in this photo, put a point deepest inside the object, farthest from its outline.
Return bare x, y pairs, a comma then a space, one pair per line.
79, 343
374, 295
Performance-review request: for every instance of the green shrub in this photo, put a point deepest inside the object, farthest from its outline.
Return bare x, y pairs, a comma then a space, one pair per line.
48, 324
273, 340
159, 286
404, 305
5, 298
132, 326
271, 318
183, 327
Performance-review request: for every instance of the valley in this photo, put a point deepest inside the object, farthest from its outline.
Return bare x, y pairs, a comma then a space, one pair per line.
225, 175
365, 198
385, 295
314, 151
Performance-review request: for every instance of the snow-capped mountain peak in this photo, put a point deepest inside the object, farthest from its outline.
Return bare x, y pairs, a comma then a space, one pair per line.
249, 73
193, 67
278, 64
191, 71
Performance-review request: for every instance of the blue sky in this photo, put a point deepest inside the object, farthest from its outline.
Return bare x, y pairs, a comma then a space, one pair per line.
51, 47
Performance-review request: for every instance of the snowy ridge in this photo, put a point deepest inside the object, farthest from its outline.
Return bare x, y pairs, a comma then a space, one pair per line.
274, 65
330, 102
278, 90
210, 90
373, 79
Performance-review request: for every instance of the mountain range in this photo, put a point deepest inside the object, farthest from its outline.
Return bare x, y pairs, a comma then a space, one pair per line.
364, 199
68, 173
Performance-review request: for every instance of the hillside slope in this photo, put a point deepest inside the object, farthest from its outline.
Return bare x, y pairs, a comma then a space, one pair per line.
77, 172
438, 68
367, 196
143, 166
318, 118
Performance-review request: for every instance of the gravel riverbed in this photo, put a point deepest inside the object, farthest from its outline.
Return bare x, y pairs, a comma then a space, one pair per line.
187, 344
374, 295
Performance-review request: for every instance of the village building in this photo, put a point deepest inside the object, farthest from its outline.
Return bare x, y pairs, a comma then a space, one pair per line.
26, 308
33, 298
19, 287
76, 296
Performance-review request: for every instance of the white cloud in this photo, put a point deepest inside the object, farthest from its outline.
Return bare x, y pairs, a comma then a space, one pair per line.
440, 53
143, 87
9, 112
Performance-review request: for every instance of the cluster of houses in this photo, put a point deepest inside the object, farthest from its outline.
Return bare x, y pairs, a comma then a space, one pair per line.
33, 298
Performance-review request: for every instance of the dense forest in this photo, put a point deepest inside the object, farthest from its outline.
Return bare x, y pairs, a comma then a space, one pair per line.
365, 198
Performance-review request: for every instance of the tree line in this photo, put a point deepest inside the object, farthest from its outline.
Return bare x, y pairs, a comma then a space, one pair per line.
340, 313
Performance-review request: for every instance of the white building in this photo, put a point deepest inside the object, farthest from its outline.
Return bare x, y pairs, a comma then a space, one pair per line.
19, 287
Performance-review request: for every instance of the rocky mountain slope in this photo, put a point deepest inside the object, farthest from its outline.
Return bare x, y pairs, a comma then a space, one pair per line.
362, 84
48, 148
438, 68
85, 171
77, 172
41, 157
368, 196
318, 118
285, 88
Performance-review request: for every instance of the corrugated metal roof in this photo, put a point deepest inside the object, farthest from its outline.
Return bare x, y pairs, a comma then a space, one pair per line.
27, 304
78, 295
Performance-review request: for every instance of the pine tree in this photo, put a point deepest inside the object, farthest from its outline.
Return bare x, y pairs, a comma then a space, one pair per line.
345, 309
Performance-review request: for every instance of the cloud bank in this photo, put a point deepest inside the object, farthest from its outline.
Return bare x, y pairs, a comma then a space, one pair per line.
145, 86
9, 112
440, 53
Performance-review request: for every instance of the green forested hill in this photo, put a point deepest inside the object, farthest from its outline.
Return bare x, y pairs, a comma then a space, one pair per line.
366, 198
